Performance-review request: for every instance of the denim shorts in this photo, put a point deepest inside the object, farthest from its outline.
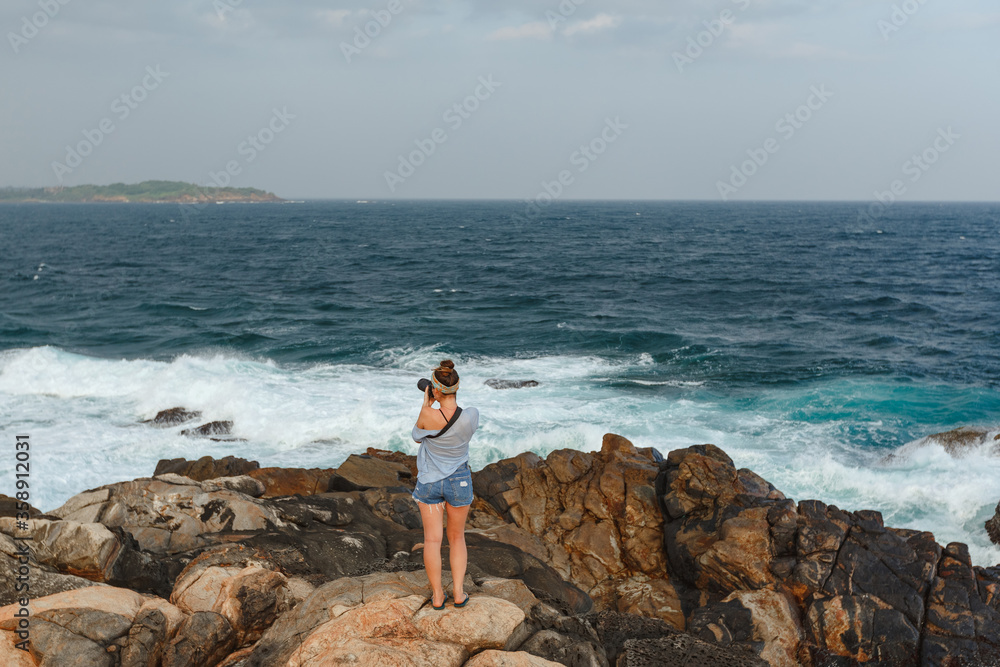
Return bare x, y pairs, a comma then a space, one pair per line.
456, 489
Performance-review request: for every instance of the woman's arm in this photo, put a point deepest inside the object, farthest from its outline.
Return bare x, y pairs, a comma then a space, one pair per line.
426, 410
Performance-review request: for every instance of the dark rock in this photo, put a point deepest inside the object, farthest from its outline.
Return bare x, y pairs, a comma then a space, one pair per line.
172, 417
510, 384
206, 467
866, 593
393, 503
993, 526
682, 650
209, 429
203, 639
497, 559
639, 641
557, 647
723, 623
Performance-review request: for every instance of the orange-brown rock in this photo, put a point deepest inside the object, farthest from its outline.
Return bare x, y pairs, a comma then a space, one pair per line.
291, 481
408, 460
597, 517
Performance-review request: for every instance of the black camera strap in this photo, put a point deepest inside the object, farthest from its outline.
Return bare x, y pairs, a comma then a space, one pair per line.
451, 422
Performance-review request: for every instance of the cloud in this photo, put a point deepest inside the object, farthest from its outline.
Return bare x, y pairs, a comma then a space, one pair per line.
776, 40
335, 17
596, 24
534, 30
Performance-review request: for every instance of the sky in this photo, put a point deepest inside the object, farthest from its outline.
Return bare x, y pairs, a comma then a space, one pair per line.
484, 99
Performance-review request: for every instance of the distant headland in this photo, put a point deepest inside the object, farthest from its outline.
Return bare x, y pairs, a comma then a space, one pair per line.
147, 192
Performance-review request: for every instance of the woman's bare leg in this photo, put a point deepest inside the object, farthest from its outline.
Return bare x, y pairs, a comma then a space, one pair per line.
433, 518
456, 543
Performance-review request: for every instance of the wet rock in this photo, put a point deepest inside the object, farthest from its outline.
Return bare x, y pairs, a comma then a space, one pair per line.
206, 467
210, 429
993, 526
958, 441
172, 417
597, 518
494, 383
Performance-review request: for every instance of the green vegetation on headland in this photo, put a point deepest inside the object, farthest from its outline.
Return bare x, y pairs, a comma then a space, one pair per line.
148, 192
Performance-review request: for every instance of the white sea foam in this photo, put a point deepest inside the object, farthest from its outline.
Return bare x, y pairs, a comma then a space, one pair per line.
83, 414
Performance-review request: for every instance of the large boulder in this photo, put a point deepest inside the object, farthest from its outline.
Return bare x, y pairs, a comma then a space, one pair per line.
170, 513
45, 579
596, 518
488, 558
387, 619
240, 585
94, 626
204, 639
93, 551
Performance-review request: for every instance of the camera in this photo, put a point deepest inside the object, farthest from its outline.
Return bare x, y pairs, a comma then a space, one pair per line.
422, 385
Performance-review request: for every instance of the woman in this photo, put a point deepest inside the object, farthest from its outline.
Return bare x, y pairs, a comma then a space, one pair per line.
444, 478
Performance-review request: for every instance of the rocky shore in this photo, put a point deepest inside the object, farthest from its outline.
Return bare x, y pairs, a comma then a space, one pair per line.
621, 556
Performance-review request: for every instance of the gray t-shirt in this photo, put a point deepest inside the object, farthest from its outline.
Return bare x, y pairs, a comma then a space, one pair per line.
440, 457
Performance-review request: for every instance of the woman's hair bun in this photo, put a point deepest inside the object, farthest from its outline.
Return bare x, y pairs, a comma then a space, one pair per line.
446, 373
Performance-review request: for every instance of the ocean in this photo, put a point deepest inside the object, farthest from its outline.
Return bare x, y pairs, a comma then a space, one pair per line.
806, 340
